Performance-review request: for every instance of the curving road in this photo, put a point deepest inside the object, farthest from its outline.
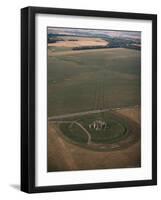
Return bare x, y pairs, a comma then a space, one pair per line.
78, 124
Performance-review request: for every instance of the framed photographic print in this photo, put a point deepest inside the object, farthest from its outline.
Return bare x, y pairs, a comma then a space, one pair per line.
88, 99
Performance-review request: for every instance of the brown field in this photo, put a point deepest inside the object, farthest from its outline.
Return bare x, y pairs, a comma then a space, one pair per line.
132, 113
63, 155
80, 52
80, 42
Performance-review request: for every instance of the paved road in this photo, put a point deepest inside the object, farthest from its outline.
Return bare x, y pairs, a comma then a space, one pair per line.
87, 112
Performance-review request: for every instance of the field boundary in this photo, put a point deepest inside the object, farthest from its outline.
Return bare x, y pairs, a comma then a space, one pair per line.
88, 112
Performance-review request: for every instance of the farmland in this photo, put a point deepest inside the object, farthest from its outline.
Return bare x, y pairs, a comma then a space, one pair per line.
65, 155
75, 78
94, 97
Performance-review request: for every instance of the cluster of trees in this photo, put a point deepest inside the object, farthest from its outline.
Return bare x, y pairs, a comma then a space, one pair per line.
124, 43
90, 47
54, 40
112, 43
134, 46
72, 40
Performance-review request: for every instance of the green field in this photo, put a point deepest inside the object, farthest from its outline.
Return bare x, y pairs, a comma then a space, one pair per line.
75, 134
76, 81
117, 129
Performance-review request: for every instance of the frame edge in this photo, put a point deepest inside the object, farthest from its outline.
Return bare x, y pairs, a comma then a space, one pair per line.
24, 100
27, 102
27, 106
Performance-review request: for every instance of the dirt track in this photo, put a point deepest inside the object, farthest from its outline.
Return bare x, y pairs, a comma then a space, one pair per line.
89, 112
78, 124
63, 155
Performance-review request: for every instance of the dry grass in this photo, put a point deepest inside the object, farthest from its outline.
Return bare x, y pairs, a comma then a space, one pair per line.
63, 155
132, 113
79, 52
59, 157
80, 42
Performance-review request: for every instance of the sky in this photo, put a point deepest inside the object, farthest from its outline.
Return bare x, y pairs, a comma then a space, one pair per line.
92, 32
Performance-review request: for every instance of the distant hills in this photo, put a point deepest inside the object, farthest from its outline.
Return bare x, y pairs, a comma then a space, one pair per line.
93, 33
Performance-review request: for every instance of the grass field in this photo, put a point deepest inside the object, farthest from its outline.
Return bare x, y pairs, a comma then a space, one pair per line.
64, 155
76, 78
93, 98
117, 129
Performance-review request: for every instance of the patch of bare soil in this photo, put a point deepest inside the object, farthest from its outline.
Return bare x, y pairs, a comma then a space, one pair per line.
132, 113
59, 157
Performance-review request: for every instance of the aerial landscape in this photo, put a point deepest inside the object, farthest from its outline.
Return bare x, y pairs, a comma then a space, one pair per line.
94, 99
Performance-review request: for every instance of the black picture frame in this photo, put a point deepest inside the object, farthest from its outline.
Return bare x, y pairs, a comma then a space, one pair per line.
28, 98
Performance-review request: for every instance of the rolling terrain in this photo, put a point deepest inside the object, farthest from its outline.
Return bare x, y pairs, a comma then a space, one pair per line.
76, 78
88, 85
